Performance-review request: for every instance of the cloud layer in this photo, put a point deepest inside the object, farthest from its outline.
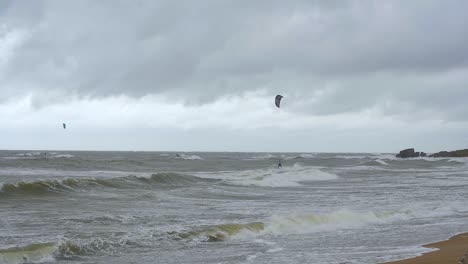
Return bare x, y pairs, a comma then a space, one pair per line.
187, 65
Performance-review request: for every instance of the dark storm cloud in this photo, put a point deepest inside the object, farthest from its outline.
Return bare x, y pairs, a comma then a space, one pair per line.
329, 56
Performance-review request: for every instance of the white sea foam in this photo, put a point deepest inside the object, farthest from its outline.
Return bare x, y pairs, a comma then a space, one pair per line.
313, 222
460, 160
66, 156
307, 223
386, 156
31, 154
274, 177
345, 219
307, 155
41, 155
342, 219
262, 157
381, 162
61, 174
188, 157
428, 210
370, 156
36, 253
300, 156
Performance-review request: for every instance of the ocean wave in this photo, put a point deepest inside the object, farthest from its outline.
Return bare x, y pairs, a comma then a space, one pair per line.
41, 155
382, 162
56, 186
217, 233
341, 219
371, 163
282, 156
70, 249
306, 156
266, 156
46, 187
62, 250
175, 179
104, 219
288, 176
293, 224
354, 156
187, 157
34, 253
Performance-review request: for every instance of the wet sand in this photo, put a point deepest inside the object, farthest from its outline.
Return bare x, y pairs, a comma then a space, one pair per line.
450, 251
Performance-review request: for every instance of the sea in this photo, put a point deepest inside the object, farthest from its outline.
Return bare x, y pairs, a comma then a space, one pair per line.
213, 207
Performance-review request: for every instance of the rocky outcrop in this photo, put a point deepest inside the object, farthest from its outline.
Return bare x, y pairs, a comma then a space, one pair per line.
451, 154
410, 153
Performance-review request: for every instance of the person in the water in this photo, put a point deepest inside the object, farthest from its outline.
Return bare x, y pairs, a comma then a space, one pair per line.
279, 164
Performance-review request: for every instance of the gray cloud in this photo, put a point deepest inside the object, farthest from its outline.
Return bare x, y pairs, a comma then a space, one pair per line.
327, 56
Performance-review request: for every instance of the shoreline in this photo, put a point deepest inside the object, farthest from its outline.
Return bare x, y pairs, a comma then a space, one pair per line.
449, 251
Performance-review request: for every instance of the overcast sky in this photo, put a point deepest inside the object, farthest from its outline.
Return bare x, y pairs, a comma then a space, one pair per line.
356, 76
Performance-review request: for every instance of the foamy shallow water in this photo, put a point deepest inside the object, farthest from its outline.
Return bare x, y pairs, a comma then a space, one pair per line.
143, 207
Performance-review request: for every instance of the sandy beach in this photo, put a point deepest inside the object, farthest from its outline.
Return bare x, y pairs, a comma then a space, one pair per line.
450, 251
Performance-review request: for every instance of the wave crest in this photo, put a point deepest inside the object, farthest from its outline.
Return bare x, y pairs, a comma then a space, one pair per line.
292, 224
33, 253
288, 176
221, 232
188, 157
41, 155
44, 187
63, 250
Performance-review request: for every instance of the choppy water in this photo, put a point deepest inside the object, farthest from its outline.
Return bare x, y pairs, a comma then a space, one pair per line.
155, 207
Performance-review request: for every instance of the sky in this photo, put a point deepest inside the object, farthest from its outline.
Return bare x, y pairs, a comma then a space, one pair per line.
356, 76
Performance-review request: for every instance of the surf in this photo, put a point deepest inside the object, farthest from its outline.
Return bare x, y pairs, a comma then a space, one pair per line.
280, 225
287, 176
68, 185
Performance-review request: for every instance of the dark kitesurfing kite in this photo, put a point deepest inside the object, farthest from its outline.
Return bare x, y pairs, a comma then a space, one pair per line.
278, 100
64, 125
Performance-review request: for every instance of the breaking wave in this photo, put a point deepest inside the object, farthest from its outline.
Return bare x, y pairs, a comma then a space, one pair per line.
41, 155
187, 157
266, 156
294, 224
291, 176
342, 219
356, 156
63, 250
28, 254
45, 187
377, 162
306, 156
277, 225
217, 233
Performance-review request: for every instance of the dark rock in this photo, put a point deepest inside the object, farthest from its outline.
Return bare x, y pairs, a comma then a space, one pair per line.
451, 154
408, 153
441, 154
